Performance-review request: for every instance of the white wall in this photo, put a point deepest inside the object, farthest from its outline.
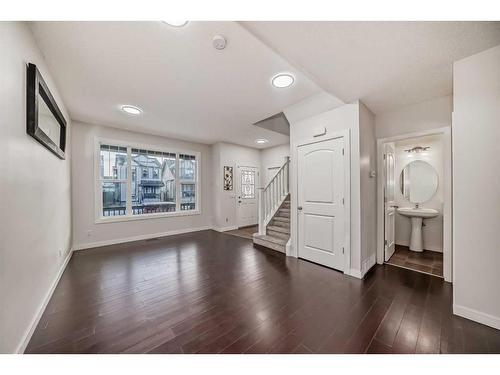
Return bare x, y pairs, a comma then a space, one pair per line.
431, 114
227, 154
368, 187
341, 118
476, 181
432, 232
360, 122
311, 106
35, 196
273, 157
83, 191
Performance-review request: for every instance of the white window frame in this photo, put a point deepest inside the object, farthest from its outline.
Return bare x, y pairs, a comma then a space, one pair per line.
99, 218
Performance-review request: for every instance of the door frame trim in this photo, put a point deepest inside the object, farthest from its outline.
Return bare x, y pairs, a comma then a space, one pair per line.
384, 176
447, 201
347, 192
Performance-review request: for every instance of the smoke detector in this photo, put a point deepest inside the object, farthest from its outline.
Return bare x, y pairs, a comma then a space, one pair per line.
219, 42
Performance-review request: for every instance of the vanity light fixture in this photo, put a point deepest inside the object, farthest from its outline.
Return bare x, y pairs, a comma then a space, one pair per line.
131, 110
283, 80
417, 149
176, 23
261, 141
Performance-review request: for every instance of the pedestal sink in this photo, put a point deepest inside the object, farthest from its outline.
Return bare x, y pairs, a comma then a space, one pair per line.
417, 215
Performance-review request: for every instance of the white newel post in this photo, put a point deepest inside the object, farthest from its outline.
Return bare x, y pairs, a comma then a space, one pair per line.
262, 229
287, 174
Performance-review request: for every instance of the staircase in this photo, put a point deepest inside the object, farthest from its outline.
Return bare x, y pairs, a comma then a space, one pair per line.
277, 231
274, 212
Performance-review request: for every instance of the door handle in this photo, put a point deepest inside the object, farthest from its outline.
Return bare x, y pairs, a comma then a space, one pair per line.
299, 208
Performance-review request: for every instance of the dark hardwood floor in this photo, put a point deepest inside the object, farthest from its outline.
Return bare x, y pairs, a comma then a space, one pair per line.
208, 292
245, 232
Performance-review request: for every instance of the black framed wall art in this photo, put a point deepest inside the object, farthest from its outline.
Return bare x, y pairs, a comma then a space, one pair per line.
44, 120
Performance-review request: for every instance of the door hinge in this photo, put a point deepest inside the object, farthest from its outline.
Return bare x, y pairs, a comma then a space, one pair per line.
343, 201
342, 151
343, 250
385, 155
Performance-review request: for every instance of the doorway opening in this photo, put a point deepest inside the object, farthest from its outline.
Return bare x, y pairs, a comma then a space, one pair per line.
414, 202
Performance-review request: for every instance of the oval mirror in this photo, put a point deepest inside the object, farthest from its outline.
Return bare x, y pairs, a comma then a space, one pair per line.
418, 181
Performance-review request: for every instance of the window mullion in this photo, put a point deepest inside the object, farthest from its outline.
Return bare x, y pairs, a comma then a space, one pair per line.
177, 183
128, 210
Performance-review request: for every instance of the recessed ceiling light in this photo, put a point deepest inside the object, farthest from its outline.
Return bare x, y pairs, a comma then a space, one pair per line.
176, 23
283, 80
261, 141
131, 110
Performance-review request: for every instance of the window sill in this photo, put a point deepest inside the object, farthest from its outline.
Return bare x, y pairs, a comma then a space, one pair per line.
116, 219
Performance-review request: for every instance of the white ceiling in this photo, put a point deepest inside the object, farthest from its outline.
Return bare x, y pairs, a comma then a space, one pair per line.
385, 64
187, 89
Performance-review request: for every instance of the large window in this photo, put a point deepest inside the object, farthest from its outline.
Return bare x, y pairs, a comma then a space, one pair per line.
113, 180
143, 182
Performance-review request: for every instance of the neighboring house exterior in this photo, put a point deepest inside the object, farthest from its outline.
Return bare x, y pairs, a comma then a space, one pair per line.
153, 184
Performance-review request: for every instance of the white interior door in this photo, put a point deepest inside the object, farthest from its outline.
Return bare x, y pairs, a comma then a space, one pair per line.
389, 203
247, 196
320, 194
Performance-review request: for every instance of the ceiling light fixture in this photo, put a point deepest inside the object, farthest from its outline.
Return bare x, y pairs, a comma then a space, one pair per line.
261, 141
131, 110
176, 23
283, 80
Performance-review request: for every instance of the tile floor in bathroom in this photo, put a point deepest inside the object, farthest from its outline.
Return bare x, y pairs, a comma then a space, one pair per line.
427, 261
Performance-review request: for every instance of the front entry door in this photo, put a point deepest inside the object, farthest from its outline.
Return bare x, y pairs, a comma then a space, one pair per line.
389, 204
247, 196
321, 209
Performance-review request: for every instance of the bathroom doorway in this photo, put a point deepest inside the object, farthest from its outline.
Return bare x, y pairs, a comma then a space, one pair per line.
414, 202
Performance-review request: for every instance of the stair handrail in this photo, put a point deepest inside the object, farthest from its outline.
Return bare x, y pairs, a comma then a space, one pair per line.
271, 196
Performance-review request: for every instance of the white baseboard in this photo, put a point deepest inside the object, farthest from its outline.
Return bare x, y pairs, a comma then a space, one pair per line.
36, 319
354, 273
368, 263
288, 247
365, 267
477, 316
225, 229
137, 238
